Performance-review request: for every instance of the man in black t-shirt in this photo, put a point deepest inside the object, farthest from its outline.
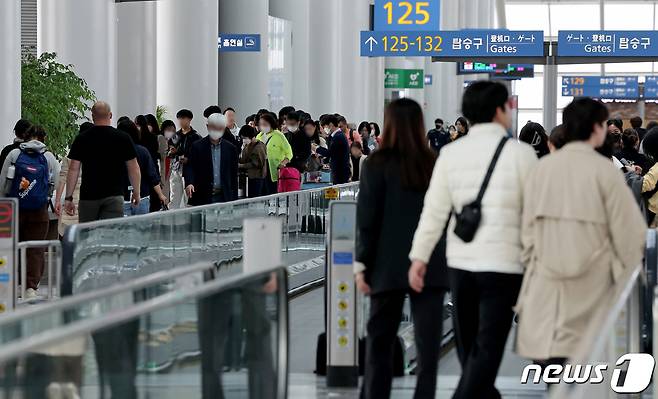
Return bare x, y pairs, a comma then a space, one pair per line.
105, 153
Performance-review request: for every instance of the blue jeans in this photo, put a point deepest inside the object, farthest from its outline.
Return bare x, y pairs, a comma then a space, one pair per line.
142, 209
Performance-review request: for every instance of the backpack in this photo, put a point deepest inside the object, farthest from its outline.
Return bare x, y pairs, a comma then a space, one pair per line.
31, 181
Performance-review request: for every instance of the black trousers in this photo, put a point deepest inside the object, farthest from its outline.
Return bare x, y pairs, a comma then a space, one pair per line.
482, 319
385, 317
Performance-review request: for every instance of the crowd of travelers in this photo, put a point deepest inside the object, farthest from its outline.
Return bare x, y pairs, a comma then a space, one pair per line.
540, 228
139, 165
537, 230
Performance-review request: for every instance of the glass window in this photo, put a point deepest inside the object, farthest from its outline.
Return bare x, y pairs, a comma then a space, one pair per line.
530, 92
533, 115
518, 17
575, 17
626, 67
628, 16
580, 68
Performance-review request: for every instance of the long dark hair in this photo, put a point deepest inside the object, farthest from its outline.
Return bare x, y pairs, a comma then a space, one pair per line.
153, 122
143, 126
534, 134
404, 138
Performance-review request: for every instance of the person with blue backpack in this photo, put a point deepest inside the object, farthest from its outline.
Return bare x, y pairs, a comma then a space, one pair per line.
29, 174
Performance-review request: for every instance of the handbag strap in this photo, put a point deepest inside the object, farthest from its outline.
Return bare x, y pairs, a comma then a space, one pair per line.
492, 166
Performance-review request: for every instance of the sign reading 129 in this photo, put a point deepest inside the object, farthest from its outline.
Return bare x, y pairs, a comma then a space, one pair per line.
407, 15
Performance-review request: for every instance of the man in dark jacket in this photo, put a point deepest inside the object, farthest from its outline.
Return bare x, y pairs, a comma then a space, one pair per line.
211, 173
338, 152
438, 137
299, 141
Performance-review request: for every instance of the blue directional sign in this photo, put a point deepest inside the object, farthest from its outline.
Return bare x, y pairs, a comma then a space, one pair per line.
464, 43
607, 43
607, 87
238, 43
407, 15
651, 87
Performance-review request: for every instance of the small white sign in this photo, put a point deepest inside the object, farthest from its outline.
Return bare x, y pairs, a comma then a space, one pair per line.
262, 244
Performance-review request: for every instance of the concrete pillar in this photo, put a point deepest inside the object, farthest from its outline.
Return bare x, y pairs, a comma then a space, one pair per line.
243, 77
10, 68
187, 56
136, 58
550, 97
298, 12
82, 33
324, 51
353, 70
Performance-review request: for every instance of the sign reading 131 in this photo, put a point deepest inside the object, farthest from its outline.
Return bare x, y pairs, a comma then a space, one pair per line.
407, 15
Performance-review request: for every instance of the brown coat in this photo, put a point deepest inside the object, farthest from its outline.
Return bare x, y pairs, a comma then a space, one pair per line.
581, 230
254, 160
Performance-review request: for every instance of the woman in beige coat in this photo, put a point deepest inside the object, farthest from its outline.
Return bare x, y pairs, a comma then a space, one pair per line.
581, 230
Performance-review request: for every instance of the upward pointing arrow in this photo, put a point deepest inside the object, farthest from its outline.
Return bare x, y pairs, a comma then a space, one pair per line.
371, 41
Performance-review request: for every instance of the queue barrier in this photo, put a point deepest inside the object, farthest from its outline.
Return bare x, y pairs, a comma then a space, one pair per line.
52, 265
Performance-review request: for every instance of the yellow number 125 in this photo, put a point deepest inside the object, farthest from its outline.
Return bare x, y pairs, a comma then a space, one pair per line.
422, 15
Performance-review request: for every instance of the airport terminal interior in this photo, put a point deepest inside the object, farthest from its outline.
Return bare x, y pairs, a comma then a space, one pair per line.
228, 199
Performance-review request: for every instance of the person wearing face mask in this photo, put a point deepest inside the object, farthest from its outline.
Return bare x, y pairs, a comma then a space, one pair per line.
168, 131
484, 256
229, 113
338, 153
253, 160
211, 172
279, 152
299, 142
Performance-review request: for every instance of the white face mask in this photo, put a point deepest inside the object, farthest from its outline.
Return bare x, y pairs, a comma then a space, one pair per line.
246, 141
293, 129
327, 131
265, 129
215, 134
169, 134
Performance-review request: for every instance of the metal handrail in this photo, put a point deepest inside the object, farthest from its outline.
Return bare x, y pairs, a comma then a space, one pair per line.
22, 248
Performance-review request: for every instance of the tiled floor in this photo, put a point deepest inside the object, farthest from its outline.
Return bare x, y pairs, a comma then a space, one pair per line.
306, 322
308, 386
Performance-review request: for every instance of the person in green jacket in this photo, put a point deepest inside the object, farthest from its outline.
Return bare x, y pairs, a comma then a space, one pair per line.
279, 152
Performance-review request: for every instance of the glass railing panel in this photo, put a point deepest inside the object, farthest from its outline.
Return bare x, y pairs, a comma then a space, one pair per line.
27, 321
222, 339
114, 251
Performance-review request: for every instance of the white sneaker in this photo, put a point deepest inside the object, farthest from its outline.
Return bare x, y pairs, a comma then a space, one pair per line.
54, 390
31, 294
70, 391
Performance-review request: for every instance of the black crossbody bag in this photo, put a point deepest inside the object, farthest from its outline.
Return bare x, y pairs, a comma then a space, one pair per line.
468, 221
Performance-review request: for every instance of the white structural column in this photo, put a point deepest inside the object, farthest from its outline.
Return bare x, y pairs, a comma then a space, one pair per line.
136, 58
325, 54
82, 33
298, 13
353, 70
187, 56
10, 68
243, 77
